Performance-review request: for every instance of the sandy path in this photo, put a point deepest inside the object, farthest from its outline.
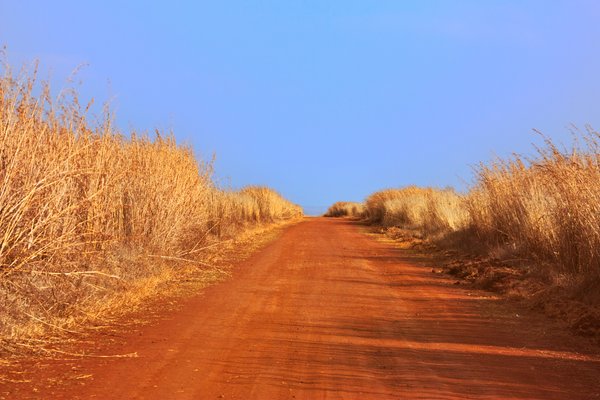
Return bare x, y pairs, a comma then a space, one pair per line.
327, 312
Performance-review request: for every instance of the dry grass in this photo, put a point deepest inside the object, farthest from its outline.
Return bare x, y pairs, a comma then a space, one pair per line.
86, 212
424, 210
231, 211
547, 207
346, 209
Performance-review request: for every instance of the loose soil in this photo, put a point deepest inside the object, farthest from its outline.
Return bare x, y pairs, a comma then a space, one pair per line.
325, 311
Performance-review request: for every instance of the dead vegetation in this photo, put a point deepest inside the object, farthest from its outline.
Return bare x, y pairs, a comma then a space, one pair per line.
88, 214
426, 211
545, 208
346, 209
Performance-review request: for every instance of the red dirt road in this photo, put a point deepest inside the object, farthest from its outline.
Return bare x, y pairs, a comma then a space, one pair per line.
328, 312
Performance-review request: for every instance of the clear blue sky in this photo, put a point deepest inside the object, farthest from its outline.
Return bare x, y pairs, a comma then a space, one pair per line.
328, 100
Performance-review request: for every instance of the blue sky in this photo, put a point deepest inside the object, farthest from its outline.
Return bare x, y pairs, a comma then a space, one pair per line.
327, 100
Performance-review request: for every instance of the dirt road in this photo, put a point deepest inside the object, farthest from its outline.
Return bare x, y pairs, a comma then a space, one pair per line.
327, 312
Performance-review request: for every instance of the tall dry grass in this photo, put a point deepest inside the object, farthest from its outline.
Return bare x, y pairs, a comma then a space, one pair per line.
547, 206
346, 209
426, 210
84, 209
234, 210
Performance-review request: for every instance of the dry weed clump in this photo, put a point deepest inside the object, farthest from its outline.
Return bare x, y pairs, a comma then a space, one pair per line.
425, 210
84, 210
547, 207
346, 209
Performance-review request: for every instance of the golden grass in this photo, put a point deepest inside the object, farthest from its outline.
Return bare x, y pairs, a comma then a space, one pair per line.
231, 211
84, 210
346, 209
547, 207
425, 210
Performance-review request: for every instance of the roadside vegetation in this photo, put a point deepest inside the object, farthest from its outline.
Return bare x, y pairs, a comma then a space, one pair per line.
426, 211
548, 206
541, 212
89, 214
346, 209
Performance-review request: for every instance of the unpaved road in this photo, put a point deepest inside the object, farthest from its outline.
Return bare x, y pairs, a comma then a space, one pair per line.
328, 312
